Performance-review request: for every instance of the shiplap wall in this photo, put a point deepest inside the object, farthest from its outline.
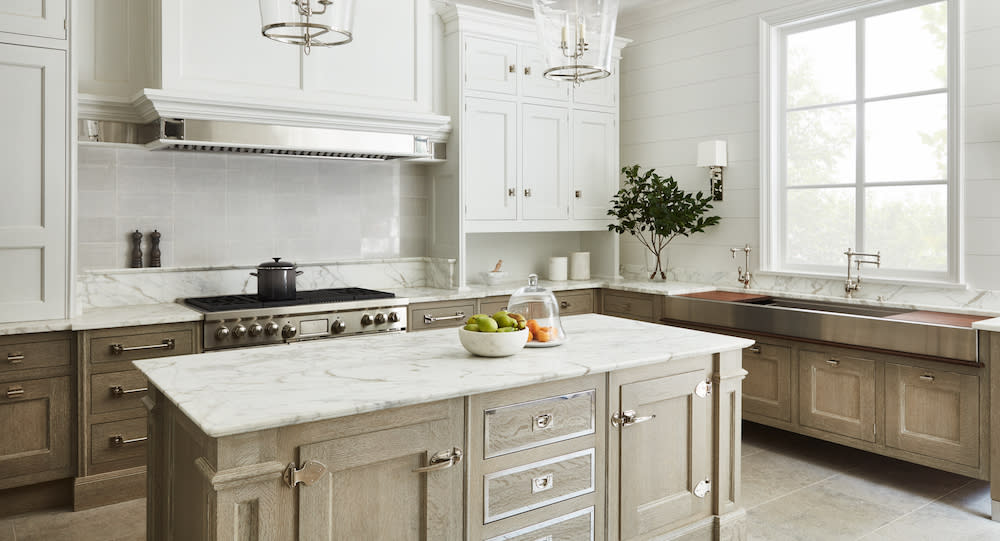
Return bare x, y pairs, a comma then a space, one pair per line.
692, 75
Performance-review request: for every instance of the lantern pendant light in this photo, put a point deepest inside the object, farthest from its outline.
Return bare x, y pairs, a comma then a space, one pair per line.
577, 37
309, 23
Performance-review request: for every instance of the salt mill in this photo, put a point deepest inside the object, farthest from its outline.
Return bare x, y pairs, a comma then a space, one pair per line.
136, 250
154, 257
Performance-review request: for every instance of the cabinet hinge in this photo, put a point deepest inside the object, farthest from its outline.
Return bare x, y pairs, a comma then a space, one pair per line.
703, 389
703, 488
309, 473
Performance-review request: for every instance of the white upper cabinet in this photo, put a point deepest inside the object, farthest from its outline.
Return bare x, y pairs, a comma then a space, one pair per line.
595, 164
601, 93
489, 159
545, 162
533, 82
33, 209
41, 18
490, 66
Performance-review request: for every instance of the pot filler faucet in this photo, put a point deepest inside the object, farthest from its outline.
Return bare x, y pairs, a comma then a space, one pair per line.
743, 273
853, 284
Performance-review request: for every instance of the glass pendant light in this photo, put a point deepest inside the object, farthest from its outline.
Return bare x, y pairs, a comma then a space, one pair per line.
577, 37
309, 23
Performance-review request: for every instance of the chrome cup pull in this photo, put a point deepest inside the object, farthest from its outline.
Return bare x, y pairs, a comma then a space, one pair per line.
542, 483
118, 349
927, 377
428, 319
541, 422
833, 362
119, 441
442, 460
117, 391
15, 358
754, 349
564, 305
14, 392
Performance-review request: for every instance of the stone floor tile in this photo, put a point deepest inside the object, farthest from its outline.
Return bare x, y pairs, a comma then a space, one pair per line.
891, 483
768, 475
960, 516
124, 521
817, 513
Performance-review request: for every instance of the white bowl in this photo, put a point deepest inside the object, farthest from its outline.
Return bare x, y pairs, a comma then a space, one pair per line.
493, 278
493, 344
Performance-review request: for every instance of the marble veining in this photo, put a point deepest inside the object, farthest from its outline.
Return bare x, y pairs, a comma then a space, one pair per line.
108, 318
237, 391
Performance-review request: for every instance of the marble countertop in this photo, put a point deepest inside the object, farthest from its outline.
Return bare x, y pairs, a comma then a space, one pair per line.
107, 318
429, 294
237, 391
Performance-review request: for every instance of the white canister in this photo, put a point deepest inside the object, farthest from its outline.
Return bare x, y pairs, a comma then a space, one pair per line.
557, 268
579, 266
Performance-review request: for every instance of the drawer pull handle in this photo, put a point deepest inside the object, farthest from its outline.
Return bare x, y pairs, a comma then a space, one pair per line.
564, 305
511, 68
833, 362
511, 192
542, 422
117, 391
442, 460
15, 358
119, 441
927, 377
543, 483
428, 319
118, 349
14, 392
527, 70
578, 193
754, 349
629, 418
527, 192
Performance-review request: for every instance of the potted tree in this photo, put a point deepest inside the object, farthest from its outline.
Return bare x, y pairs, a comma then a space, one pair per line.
656, 210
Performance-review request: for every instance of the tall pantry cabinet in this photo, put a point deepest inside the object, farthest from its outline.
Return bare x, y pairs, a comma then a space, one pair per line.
35, 150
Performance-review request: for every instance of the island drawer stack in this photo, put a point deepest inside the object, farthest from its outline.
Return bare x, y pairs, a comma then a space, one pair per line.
536, 462
112, 448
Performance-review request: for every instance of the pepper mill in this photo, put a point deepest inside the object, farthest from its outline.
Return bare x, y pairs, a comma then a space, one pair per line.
136, 250
154, 257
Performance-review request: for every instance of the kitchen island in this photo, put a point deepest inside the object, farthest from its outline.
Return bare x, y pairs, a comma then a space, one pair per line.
629, 430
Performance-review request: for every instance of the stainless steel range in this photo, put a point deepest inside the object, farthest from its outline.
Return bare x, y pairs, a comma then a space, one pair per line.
243, 320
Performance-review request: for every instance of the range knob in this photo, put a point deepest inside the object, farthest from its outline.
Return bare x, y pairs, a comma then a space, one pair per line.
393, 317
338, 327
222, 333
379, 319
288, 331
366, 319
239, 331
255, 330
271, 328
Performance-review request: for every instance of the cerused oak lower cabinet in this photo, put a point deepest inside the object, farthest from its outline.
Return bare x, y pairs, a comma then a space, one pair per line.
534, 462
837, 394
112, 420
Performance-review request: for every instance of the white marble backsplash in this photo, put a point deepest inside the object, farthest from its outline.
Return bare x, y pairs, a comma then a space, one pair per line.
985, 302
102, 289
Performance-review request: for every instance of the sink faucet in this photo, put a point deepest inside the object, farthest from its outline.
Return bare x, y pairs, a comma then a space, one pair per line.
853, 284
743, 273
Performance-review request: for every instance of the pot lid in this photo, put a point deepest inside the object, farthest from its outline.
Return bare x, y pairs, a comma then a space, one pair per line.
276, 264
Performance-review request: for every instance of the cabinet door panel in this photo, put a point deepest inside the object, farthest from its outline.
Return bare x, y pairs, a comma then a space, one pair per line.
837, 394
767, 387
657, 494
371, 491
36, 428
602, 92
490, 65
33, 207
595, 162
43, 18
545, 162
932, 412
489, 159
533, 81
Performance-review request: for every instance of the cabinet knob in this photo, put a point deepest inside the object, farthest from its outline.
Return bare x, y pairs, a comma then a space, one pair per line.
527, 192
564, 305
578, 193
511, 192
527, 70
512, 68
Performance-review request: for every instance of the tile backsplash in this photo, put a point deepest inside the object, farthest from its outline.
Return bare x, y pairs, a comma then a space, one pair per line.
223, 209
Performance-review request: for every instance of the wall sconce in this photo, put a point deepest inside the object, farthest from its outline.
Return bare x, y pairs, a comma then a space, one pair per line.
712, 154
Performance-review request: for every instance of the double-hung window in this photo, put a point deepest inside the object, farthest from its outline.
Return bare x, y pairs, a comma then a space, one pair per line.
859, 145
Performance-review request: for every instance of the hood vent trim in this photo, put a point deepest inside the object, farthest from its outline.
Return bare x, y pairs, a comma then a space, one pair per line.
280, 152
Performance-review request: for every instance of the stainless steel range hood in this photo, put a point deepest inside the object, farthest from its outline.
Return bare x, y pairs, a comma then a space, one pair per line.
267, 139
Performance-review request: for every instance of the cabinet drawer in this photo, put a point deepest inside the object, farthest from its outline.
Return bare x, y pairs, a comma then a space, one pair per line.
767, 387
575, 302
20, 353
638, 307
837, 394
516, 490
932, 413
116, 391
492, 305
142, 345
440, 316
125, 454
576, 526
531, 424
35, 429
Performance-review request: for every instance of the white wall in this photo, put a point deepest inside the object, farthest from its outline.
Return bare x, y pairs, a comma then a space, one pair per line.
220, 209
692, 75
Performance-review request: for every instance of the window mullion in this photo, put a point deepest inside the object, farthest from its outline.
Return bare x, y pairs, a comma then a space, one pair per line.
859, 165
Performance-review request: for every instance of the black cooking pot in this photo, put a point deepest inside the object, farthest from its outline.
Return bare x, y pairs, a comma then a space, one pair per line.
276, 280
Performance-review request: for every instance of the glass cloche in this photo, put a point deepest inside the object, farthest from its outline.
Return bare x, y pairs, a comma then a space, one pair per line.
541, 309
